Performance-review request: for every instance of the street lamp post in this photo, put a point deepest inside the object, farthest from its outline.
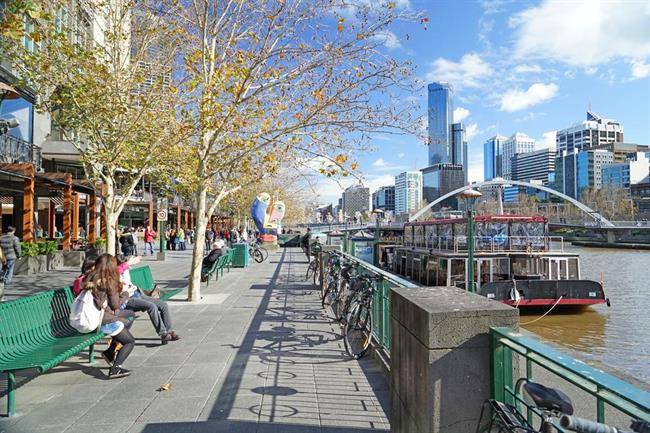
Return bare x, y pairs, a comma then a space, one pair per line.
470, 196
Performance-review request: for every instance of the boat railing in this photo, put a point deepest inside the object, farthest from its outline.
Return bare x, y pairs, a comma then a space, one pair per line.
492, 244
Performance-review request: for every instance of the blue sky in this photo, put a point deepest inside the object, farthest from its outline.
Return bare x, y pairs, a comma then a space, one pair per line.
519, 66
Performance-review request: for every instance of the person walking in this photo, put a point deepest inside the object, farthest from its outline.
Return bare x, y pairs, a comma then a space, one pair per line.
134, 234
149, 236
181, 239
305, 244
10, 245
209, 238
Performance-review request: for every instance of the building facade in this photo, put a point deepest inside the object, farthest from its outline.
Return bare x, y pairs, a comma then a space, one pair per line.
384, 199
577, 171
356, 198
625, 174
513, 145
624, 152
408, 192
440, 179
537, 165
459, 147
594, 132
492, 157
440, 118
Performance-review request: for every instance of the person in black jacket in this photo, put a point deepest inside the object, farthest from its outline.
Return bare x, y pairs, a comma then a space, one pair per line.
218, 249
127, 244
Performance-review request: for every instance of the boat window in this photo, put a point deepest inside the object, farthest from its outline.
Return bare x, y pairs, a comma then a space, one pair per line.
457, 273
430, 234
501, 269
408, 235
441, 279
573, 269
418, 236
526, 267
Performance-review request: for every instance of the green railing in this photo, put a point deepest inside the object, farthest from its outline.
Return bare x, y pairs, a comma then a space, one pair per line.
380, 311
511, 349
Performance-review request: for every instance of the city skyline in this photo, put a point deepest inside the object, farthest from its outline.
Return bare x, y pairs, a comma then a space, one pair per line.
506, 80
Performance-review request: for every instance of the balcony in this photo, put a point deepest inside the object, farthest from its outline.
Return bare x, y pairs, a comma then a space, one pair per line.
14, 150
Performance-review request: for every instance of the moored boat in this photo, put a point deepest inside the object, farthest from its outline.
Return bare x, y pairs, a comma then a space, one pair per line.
515, 261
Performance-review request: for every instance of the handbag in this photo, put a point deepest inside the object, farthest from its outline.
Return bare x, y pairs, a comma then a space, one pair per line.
85, 317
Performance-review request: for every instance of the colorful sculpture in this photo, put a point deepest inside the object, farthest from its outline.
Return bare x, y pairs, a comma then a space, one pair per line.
267, 215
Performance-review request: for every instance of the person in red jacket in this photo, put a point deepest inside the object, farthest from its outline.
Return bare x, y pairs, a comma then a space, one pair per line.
149, 236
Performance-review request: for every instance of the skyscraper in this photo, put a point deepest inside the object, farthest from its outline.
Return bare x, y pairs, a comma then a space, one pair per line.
596, 131
492, 152
408, 191
440, 117
517, 143
459, 147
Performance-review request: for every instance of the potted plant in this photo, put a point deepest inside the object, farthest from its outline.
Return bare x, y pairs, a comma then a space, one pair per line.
100, 245
30, 262
50, 249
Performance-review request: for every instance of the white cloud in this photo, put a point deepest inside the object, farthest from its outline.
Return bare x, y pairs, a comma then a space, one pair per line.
516, 99
591, 70
585, 32
640, 69
379, 163
400, 155
460, 113
465, 73
528, 69
388, 38
471, 131
547, 141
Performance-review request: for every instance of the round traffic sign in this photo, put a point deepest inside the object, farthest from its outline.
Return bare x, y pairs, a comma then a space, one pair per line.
162, 215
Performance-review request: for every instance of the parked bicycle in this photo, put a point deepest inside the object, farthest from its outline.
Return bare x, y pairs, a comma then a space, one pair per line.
257, 252
555, 409
313, 270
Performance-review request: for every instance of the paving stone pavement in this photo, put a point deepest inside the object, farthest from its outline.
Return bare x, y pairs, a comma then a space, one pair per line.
257, 355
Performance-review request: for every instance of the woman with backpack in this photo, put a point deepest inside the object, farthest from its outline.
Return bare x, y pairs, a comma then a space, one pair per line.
103, 281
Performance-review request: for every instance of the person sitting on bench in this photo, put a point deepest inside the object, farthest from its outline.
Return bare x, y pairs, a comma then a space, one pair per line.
219, 248
158, 310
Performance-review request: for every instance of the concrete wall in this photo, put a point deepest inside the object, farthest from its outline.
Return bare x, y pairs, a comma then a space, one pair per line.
440, 357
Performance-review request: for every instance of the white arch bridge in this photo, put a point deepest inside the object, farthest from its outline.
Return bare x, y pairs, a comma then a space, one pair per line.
603, 222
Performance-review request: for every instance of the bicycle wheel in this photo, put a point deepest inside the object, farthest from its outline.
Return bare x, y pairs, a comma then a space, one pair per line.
316, 275
258, 256
265, 253
311, 269
357, 331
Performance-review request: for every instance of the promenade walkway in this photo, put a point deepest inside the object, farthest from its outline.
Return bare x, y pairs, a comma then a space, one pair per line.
257, 355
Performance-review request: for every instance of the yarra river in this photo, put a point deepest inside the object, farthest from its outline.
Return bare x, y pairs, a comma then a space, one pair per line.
616, 337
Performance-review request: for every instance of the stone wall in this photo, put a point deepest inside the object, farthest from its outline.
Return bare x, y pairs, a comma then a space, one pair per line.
440, 357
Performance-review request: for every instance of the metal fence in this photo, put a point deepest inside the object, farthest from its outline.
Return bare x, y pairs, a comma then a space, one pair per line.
492, 244
614, 399
380, 311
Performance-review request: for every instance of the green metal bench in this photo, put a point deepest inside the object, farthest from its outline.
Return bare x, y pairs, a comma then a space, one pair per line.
217, 268
143, 279
35, 333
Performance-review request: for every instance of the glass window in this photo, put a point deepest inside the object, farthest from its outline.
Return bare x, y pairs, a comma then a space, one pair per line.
457, 277
23, 111
573, 269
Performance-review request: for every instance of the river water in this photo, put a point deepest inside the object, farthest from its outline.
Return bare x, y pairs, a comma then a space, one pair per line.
615, 338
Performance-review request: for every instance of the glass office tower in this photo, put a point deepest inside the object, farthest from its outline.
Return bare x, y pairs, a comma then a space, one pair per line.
440, 117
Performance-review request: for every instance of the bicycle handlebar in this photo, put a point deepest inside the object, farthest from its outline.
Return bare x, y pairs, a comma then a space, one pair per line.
581, 425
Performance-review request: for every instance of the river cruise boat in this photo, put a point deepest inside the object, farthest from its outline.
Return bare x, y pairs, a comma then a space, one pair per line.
515, 262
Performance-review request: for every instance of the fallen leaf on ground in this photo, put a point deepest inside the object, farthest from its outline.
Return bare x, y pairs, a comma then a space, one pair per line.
165, 387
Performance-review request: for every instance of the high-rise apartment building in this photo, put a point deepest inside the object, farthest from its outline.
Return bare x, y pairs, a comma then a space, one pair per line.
516, 143
356, 198
408, 192
492, 153
594, 132
440, 118
384, 198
